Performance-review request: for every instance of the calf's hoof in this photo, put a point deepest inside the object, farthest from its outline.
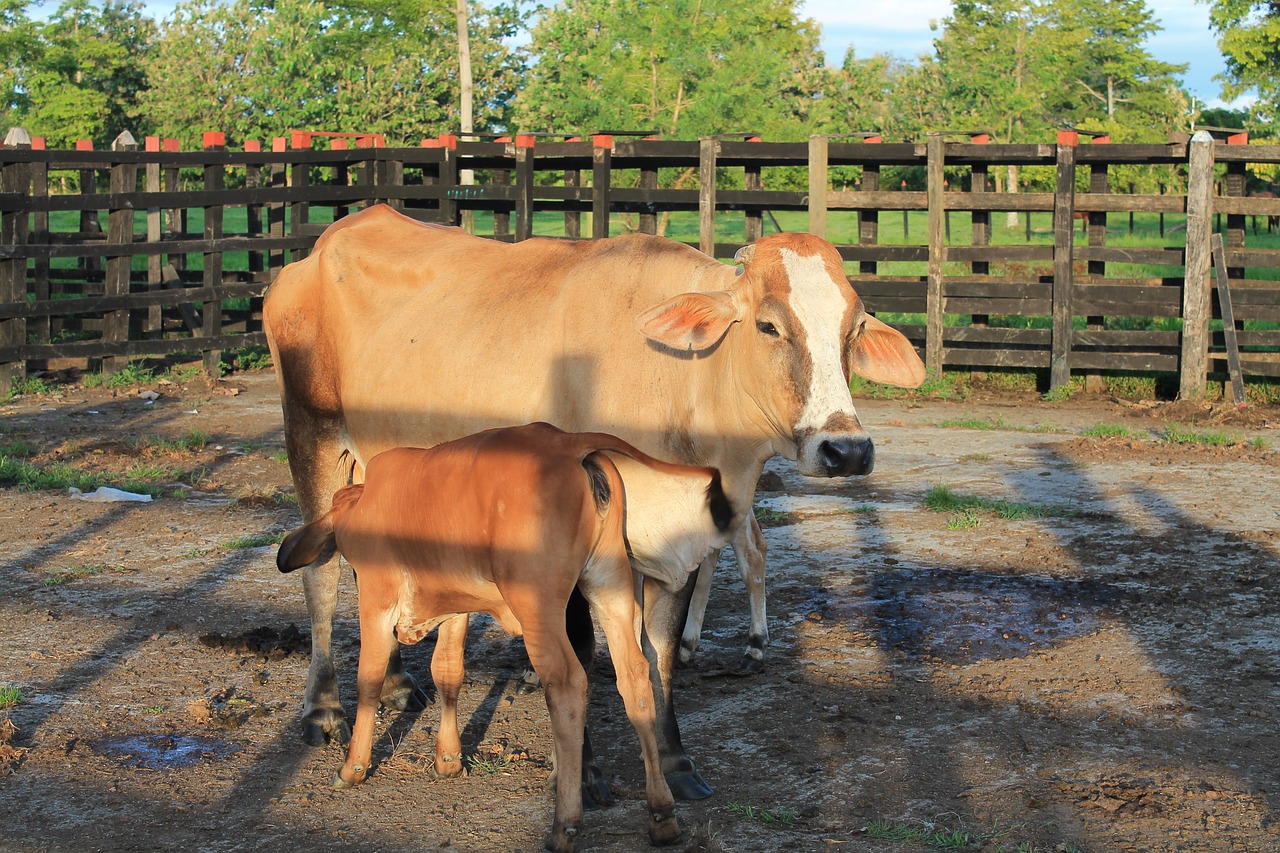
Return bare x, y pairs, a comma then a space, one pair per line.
448, 767
357, 775
595, 790
688, 785
749, 665
664, 828
402, 694
561, 839
321, 725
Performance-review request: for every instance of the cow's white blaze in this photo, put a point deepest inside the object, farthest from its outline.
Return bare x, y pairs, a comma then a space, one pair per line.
819, 304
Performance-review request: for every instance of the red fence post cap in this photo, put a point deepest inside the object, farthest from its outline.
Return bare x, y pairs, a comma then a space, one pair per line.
602, 140
1068, 137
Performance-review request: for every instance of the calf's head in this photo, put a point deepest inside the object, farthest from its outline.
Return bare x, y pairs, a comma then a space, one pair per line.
793, 332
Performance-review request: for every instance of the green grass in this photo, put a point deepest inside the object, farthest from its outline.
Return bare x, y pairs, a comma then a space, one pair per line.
257, 541
489, 764
141, 477
998, 422
1109, 431
768, 516
10, 696
770, 817
1175, 434
967, 510
20, 448
23, 385
70, 573
133, 373
189, 442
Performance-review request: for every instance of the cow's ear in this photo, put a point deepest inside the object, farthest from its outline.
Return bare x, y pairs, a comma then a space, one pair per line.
882, 354
690, 321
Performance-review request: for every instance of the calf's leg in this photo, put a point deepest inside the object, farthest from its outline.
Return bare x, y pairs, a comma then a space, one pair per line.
615, 608
582, 636
564, 684
377, 637
447, 671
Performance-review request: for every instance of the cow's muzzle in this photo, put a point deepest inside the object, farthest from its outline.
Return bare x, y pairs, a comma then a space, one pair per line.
837, 455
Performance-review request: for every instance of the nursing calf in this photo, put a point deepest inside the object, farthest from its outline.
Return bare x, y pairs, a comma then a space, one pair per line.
510, 522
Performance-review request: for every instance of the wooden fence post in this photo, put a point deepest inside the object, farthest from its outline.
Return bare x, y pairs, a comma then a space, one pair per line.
40, 328
935, 152
752, 180
819, 182
15, 178
524, 187
601, 174
212, 329
573, 180
707, 150
152, 327
1064, 209
115, 324
869, 220
1100, 184
1196, 307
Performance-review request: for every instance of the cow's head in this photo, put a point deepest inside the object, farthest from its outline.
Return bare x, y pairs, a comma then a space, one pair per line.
795, 332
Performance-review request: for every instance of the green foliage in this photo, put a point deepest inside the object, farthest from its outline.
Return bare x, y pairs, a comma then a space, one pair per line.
941, 498
259, 70
10, 696
1249, 38
133, 373
27, 385
1175, 434
770, 817
1109, 431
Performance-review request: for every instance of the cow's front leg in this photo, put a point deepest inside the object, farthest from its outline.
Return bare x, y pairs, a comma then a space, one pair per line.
664, 614
322, 715
750, 549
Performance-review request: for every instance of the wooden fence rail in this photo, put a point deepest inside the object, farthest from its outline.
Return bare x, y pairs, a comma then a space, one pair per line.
145, 250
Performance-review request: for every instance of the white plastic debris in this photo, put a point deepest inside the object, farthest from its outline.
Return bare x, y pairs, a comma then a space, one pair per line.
106, 494
149, 396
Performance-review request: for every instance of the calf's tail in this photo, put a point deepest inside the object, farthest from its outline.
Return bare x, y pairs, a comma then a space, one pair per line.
310, 542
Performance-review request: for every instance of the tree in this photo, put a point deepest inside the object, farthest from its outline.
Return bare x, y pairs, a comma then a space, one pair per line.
684, 69
258, 69
1249, 38
80, 74
18, 47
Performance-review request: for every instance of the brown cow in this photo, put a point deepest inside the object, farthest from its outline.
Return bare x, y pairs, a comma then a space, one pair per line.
394, 333
510, 522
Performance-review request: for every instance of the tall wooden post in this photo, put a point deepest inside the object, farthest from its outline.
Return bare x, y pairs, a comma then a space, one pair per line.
1098, 184
1064, 210
818, 185
212, 328
707, 196
752, 180
524, 187
935, 152
15, 177
1196, 307
601, 161
115, 323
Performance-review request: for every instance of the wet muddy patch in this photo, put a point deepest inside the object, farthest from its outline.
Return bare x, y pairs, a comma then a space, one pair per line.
163, 751
961, 617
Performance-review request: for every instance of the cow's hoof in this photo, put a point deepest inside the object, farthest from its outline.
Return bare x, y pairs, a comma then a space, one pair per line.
595, 790
341, 784
404, 695
529, 683
749, 665
561, 840
664, 828
448, 767
688, 785
322, 725
685, 654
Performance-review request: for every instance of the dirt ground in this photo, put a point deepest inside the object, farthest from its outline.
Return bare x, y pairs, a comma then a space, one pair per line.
1102, 677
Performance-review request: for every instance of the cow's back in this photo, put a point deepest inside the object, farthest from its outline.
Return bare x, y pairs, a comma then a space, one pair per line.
420, 334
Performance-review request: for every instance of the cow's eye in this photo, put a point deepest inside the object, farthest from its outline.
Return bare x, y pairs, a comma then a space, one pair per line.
767, 329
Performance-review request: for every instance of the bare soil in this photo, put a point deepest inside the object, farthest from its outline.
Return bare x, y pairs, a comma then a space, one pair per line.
1102, 677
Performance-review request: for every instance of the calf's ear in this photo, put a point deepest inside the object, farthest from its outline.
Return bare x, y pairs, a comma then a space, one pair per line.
882, 354
690, 321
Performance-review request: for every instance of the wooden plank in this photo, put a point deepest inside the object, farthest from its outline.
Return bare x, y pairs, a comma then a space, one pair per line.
115, 328
819, 184
601, 178
1228, 320
129, 349
15, 177
937, 254
211, 327
1063, 241
1195, 292
707, 196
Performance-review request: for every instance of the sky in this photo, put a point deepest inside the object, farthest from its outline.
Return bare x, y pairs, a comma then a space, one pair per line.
901, 28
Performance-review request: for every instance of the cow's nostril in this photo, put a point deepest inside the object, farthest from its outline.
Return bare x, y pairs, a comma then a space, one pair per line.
843, 457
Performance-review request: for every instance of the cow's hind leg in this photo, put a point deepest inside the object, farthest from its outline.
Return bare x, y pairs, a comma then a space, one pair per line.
615, 608
582, 636
376, 638
447, 671
319, 469
750, 550
664, 614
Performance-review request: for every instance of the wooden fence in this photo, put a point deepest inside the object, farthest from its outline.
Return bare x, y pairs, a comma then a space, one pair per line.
150, 251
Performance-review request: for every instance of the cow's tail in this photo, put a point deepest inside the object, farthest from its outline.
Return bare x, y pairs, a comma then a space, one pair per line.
605, 480
314, 541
